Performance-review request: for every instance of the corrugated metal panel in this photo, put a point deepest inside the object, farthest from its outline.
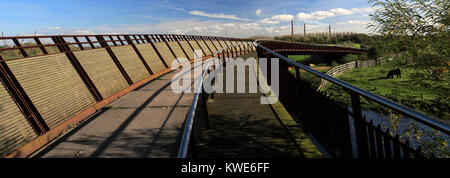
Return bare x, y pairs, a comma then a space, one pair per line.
53, 85
188, 49
131, 62
102, 70
217, 44
242, 45
229, 43
195, 46
223, 44
204, 47
150, 57
165, 52
211, 46
176, 49
15, 130
252, 46
235, 45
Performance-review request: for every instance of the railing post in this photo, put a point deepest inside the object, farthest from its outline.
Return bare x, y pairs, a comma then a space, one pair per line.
187, 41
138, 53
171, 51
205, 107
63, 47
209, 38
78, 42
44, 51
215, 38
90, 42
114, 58
297, 92
17, 43
198, 44
156, 50
223, 57
179, 44
204, 41
360, 129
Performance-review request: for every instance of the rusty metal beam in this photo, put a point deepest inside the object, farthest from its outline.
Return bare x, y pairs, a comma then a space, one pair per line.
17, 43
147, 37
63, 47
139, 54
171, 51
114, 58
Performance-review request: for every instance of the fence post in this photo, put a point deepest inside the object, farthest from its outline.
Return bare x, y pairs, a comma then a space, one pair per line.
114, 58
179, 44
360, 129
147, 37
162, 37
64, 48
138, 53
198, 44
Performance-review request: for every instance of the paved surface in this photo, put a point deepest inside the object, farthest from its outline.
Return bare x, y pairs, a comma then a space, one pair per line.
147, 122
241, 127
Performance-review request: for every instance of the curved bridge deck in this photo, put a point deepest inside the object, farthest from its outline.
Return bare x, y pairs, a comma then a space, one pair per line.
241, 127
148, 122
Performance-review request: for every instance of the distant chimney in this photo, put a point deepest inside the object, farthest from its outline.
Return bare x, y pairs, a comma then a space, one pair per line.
292, 30
304, 29
329, 30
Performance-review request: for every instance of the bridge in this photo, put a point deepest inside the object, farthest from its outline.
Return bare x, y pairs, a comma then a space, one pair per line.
112, 96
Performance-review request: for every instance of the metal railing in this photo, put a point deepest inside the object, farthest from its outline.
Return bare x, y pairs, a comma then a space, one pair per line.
15, 49
189, 138
365, 137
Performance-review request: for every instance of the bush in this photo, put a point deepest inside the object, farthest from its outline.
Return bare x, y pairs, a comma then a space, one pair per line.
348, 58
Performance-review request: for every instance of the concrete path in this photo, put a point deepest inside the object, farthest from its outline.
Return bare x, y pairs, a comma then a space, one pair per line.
147, 122
241, 127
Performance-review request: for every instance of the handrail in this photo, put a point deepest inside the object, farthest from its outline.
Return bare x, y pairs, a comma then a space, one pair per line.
190, 117
425, 119
182, 152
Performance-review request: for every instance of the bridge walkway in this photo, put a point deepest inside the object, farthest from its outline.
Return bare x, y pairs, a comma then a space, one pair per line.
241, 127
147, 122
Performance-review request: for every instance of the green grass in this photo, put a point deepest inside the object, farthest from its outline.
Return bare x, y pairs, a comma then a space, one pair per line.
427, 96
347, 44
311, 78
299, 58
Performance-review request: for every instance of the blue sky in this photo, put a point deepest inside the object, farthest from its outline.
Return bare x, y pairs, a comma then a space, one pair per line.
240, 18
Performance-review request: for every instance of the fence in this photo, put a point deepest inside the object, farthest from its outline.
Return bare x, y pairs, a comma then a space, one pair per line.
340, 69
329, 121
49, 83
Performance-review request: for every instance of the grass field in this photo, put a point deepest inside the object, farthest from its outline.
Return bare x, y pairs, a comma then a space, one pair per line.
427, 96
299, 58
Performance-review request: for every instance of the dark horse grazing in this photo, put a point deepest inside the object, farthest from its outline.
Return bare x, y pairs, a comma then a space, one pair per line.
394, 72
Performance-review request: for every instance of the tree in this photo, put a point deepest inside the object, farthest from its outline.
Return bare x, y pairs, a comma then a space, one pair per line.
419, 27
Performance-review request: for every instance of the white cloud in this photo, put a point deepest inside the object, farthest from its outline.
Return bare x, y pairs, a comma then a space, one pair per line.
319, 15
340, 11
258, 12
269, 21
251, 26
284, 17
276, 19
354, 22
221, 16
83, 32
54, 28
368, 9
